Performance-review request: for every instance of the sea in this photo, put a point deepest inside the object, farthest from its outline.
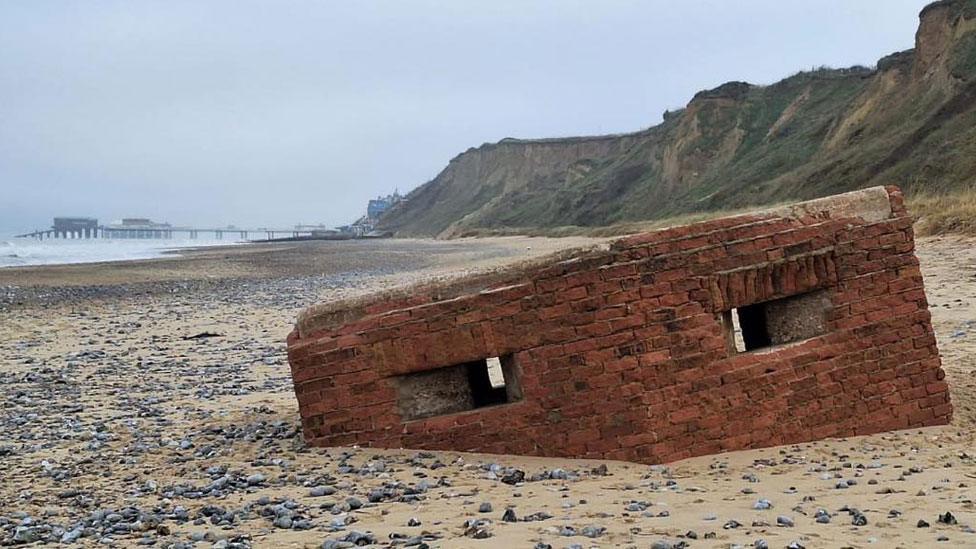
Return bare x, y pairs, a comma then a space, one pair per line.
19, 252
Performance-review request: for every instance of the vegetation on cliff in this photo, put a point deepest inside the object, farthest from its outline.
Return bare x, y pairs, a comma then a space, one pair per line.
911, 121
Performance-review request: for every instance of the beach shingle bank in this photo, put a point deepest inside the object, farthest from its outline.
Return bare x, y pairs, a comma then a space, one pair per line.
786, 325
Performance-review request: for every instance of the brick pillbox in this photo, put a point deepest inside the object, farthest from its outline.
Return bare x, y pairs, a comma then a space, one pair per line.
783, 326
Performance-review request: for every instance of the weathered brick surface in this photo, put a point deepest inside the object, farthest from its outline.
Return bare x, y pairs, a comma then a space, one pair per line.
621, 353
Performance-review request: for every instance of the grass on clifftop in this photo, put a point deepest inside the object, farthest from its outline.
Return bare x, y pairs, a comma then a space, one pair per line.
944, 214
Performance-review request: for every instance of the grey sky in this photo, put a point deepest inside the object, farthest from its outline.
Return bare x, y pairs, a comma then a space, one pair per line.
276, 112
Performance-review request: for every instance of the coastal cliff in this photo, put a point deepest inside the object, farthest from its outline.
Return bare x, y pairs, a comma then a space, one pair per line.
910, 121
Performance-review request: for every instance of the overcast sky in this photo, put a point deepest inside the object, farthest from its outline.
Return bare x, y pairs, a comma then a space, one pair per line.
277, 112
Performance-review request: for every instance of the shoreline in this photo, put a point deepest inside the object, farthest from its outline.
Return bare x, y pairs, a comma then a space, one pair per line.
345, 266
186, 260
18, 253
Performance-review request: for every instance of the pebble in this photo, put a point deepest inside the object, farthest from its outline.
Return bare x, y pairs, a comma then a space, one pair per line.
763, 504
593, 531
947, 518
320, 491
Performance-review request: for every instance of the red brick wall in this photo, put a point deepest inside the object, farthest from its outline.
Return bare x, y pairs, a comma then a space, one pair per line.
622, 353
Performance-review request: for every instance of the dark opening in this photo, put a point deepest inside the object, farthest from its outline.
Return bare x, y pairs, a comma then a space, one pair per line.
752, 322
776, 322
483, 392
466, 386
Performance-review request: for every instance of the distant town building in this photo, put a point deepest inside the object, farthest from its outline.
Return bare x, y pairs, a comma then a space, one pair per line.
381, 204
366, 225
358, 227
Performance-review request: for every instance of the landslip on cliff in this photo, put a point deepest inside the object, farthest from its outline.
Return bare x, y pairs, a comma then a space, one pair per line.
911, 121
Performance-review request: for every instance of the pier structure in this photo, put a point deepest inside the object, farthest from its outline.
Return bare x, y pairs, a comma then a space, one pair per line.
141, 228
75, 227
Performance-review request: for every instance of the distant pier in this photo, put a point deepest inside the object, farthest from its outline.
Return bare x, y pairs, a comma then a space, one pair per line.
89, 228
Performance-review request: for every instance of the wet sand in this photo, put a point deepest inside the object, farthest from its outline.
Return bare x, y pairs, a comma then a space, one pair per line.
118, 429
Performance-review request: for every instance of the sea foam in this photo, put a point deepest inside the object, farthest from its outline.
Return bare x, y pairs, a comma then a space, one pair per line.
17, 252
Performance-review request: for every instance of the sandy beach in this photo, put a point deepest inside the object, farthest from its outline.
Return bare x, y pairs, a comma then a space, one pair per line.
150, 403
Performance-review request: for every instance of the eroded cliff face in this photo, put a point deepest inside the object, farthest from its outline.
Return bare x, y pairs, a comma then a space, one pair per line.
911, 122
477, 182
